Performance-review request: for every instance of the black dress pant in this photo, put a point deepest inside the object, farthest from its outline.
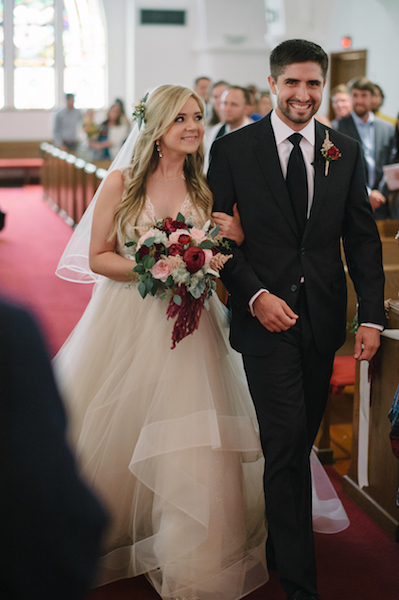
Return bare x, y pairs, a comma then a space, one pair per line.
289, 388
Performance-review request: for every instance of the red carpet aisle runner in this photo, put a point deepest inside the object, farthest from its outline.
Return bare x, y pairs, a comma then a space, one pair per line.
31, 244
361, 563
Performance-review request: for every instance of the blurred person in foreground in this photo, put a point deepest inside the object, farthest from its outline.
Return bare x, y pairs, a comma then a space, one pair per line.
51, 524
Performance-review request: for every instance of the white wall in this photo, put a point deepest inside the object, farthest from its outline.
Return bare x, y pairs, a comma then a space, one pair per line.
372, 25
226, 39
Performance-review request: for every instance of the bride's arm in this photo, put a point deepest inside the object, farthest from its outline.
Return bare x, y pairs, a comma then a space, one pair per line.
102, 256
230, 226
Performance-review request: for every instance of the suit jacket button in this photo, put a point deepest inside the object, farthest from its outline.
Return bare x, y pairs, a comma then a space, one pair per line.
294, 287
303, 250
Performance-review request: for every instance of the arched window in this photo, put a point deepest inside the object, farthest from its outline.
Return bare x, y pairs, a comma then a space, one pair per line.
52, 47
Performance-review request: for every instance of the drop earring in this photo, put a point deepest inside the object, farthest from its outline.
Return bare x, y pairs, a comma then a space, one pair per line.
158, 148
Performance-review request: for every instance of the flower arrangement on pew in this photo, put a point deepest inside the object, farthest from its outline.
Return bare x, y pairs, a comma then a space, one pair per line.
180, 263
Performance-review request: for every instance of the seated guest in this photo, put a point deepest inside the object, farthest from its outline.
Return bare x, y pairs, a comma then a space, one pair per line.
341, 103
377, 101
51, 524
66, 125
377, 138
111, 135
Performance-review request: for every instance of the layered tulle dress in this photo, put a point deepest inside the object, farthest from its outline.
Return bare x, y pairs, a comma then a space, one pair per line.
169, 440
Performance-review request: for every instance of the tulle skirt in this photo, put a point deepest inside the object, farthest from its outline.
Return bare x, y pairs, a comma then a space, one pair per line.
169, 440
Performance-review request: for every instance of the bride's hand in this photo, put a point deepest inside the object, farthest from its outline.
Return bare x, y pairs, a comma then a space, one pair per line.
230, 226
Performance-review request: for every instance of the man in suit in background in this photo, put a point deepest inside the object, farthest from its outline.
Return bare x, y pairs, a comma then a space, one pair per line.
233, 106
377, 138
300, 187
50, 524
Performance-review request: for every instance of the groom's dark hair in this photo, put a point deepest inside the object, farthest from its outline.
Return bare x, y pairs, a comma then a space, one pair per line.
297, 51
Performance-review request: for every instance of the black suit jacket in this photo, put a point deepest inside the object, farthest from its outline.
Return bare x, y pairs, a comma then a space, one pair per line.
50, 523
384, 144
245, 168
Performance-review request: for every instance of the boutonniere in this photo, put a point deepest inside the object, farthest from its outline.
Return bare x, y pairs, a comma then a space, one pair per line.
329, 151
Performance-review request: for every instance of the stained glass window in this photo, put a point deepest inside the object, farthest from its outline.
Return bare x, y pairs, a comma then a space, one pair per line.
52, 47
1, 55
84, 53
34, 36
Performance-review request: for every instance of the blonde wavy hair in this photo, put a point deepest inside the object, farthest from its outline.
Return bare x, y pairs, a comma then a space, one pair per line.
161, 110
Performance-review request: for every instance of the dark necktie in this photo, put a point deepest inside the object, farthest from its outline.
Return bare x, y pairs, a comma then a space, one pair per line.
297, 183
221, 131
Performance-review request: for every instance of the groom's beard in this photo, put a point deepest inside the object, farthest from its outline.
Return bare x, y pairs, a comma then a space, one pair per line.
295, 115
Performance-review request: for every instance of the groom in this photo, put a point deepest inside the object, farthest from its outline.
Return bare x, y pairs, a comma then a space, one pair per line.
287, 284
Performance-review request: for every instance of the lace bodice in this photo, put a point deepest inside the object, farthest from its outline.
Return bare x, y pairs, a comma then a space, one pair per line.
148, 218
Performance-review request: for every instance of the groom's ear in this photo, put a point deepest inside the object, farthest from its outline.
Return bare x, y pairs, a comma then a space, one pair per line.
272, 84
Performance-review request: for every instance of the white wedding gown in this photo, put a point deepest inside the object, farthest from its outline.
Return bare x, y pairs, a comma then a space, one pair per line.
169, 440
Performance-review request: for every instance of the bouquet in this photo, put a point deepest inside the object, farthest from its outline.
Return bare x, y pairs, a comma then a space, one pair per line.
180, 263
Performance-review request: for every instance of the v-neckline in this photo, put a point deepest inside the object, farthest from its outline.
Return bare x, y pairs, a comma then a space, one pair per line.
153, 208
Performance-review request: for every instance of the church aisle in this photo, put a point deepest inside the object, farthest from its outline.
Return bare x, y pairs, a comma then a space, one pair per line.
360, 563
31, 244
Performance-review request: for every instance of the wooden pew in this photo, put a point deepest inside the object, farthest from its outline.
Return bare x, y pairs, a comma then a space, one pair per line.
69, 183
20, 162
378, 499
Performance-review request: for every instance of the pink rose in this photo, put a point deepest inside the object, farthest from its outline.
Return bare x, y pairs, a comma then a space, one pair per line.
197, 235
194, 258
149, 234
161, 270
208, 256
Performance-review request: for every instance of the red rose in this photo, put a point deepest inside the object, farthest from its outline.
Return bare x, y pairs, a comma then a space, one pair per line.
179, 225
168, 225
144, 250
184, 239
157, 250
333, 152
175, 250
194, 258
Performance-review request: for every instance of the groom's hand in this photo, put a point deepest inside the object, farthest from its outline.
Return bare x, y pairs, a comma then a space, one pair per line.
367, 343
273, 312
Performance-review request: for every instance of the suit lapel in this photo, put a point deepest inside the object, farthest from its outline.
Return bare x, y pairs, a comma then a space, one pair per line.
267, 155
321, 181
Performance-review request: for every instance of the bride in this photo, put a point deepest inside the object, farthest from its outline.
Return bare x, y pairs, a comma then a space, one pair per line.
167, 438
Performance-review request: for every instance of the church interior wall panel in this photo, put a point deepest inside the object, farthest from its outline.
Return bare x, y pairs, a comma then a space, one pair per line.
178, 55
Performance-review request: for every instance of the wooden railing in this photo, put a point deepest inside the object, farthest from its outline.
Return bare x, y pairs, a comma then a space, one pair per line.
69, 183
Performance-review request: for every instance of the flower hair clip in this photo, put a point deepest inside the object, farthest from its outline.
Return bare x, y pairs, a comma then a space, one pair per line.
139, 112
329, 151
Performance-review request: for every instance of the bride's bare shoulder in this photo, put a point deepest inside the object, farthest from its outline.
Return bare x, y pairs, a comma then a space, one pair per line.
115, 181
